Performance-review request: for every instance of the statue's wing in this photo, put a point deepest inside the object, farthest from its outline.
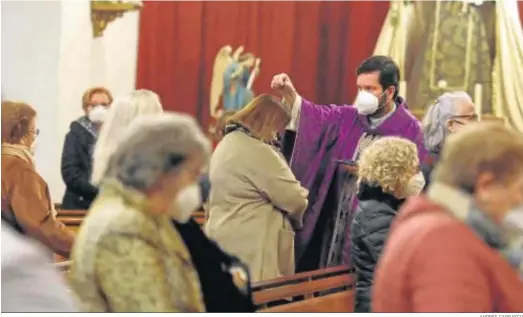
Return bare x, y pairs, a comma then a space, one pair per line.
221, 61
236, 55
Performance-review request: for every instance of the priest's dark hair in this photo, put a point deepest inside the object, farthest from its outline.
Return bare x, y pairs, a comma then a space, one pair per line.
389, 71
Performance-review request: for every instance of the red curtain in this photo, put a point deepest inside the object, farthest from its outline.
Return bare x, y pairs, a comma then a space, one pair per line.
318, 43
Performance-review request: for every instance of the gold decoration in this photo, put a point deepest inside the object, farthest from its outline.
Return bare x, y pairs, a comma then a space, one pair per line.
105, 12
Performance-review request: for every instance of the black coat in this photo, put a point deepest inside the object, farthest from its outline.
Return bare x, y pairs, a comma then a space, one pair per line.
77, 165
220, 293
427, 166
369, 230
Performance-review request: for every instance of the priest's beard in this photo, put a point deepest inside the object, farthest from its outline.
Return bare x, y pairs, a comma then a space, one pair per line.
384, 107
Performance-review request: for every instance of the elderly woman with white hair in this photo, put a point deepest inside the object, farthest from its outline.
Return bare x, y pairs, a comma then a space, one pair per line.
129, 257
448, 114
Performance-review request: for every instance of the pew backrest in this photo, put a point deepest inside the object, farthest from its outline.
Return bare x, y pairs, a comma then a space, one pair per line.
341, 302
302, 277
298, 292
74, 217
308, 289
71, 213
63, 266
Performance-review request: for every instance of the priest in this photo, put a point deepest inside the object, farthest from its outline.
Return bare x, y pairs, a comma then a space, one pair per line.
326, 144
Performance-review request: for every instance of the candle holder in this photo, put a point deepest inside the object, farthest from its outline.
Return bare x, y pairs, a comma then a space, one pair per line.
105, 12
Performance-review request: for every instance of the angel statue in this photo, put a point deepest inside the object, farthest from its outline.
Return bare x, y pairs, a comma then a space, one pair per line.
232, 78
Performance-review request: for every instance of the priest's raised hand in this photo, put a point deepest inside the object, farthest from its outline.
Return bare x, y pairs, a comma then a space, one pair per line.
283, 84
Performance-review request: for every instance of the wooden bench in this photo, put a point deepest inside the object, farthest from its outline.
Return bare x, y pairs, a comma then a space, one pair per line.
63, 266
73, 218
302, 277
341, 302
322, 291
326, 290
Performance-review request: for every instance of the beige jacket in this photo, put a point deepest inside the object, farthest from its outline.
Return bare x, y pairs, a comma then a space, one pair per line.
254, 198
127, 260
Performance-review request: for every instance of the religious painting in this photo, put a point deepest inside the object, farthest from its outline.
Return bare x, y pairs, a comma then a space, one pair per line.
233, 75
468, 45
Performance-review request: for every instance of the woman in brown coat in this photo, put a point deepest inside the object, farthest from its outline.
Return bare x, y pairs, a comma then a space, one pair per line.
26, 202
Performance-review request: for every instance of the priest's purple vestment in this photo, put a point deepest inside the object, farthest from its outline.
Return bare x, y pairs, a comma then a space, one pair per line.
325, 134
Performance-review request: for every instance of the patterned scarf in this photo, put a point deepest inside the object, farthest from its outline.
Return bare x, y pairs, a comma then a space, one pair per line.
19, 151
238, 127
509, 244
88, 125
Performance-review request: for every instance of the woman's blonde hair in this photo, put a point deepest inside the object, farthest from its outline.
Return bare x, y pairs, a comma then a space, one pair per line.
264, 117
389, 162
121, 113
16, 117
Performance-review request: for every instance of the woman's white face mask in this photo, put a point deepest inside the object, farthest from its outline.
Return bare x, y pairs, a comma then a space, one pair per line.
514, 220
97, 114
186, 202
415, 185
33, 147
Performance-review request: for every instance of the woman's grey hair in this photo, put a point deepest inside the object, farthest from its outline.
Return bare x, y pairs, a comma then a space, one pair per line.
121, 113
435, 121
154, 145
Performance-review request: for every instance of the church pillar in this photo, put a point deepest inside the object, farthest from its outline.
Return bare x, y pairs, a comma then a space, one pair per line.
30, 61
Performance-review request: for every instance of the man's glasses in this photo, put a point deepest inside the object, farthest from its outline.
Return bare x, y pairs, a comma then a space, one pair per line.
463, 119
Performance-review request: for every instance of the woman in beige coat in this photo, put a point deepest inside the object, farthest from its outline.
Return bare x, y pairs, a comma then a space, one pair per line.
255, 203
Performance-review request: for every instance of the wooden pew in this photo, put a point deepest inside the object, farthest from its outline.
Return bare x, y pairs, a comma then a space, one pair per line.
301, 277
63, 266
326, 290
80, 213
73, 218
321, 291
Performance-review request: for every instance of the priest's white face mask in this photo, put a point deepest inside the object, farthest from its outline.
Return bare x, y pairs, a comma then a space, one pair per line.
367, 103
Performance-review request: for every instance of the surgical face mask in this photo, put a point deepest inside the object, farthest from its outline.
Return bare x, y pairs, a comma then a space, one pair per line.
186, 202
514, 220
33, 147
97, 114
415, 185
30, 143
367, 103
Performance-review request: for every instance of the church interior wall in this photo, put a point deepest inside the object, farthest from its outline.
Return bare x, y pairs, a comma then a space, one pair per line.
52, 60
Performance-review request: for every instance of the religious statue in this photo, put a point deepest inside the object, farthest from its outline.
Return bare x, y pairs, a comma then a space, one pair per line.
469, 45
232, 79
